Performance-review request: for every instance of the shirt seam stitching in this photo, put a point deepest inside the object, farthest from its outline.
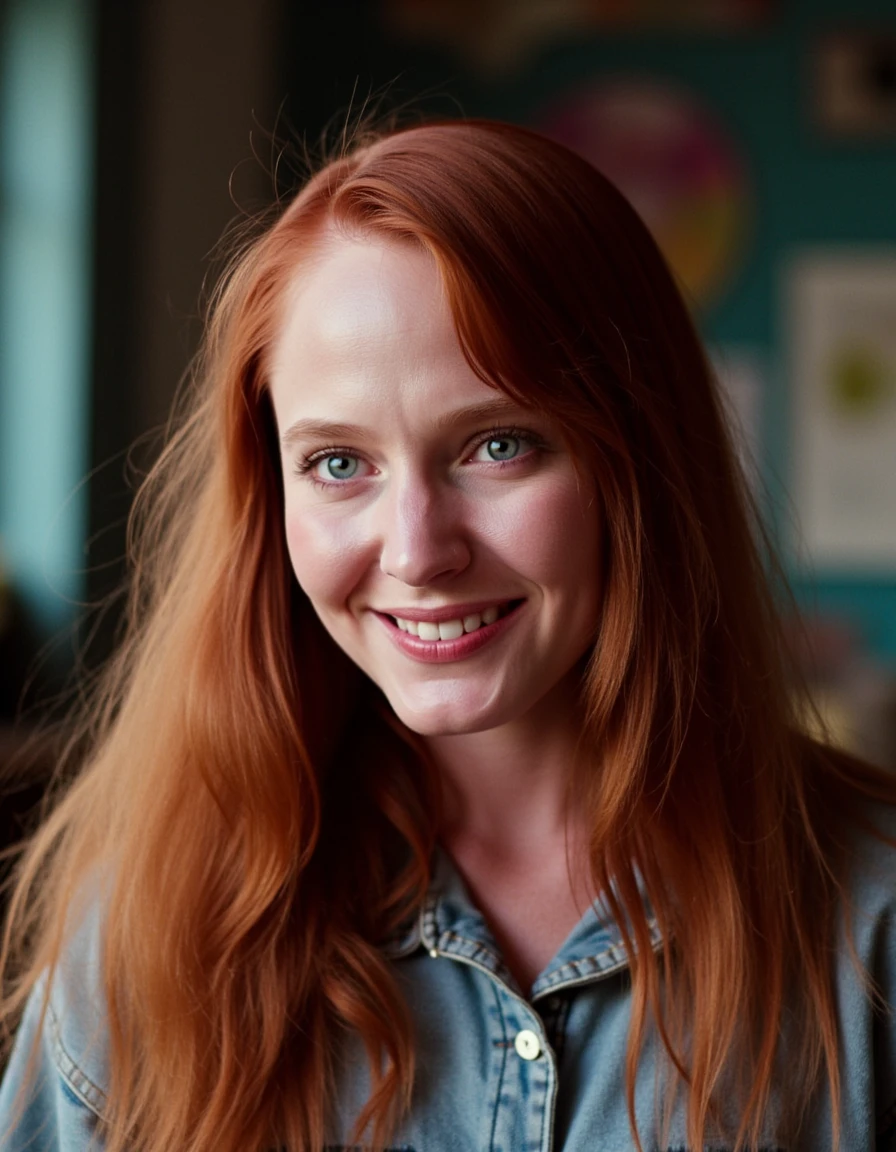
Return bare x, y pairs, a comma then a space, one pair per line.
499, 1085
90, 1094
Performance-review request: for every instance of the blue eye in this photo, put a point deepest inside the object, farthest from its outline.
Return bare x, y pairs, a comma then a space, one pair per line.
501, 448
338, 467
504, 445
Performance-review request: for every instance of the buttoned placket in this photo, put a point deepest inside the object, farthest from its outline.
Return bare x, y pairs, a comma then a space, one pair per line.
527, 1035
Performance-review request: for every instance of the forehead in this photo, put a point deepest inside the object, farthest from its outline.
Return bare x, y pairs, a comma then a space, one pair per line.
352, 287
366, 322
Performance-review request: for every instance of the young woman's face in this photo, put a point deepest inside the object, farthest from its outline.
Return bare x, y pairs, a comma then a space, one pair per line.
440, 531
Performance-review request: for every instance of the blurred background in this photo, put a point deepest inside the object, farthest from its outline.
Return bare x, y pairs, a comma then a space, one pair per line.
756, 137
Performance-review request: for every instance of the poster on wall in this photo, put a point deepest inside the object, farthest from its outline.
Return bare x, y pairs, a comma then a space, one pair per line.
678, 166
841, 309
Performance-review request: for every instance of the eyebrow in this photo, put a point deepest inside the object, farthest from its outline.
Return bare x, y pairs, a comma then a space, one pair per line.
499, 409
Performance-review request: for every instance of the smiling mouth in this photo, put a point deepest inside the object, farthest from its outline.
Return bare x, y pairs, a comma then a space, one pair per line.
454, 629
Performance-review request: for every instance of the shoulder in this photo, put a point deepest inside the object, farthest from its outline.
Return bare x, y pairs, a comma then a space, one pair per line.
76, 1012
866, 962
57, 1078
870, 870
869, 896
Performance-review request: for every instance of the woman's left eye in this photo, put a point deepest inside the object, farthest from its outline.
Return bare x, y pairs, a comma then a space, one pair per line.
501, 447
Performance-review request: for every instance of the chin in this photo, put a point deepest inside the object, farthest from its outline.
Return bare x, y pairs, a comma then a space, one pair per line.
444, 719
447, 718
424, 724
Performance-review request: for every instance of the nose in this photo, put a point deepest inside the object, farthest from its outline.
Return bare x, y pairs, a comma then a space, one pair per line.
422, 532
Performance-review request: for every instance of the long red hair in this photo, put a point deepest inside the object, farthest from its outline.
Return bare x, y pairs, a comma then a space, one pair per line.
212, 810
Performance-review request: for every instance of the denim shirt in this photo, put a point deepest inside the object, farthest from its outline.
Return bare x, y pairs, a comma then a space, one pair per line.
497, 1070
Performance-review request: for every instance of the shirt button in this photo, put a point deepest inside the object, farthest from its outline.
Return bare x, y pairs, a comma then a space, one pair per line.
527, 1045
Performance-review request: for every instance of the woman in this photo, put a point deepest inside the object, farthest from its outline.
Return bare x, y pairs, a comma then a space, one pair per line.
447, 792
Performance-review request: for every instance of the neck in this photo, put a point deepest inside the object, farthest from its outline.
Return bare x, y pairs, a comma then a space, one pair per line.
508, 824
507, 789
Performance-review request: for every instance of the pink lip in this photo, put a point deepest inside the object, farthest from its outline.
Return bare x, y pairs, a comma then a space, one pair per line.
440, 615
445, 651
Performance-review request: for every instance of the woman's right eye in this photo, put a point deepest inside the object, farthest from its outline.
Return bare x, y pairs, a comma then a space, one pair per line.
331, 467
337, 467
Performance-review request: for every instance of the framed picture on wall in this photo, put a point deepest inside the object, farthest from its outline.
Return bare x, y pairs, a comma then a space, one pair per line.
677, 164
841, 316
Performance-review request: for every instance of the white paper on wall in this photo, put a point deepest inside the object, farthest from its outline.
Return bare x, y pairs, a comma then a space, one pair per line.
841, 311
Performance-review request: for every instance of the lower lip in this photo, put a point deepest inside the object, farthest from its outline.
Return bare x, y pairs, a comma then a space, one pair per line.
445, 651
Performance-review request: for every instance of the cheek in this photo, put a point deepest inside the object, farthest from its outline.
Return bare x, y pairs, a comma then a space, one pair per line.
554, 533
328, 557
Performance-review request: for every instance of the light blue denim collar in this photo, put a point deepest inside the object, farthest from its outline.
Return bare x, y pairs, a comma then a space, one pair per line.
449, 924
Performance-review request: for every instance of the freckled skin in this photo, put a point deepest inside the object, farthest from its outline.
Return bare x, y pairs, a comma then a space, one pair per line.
428, 517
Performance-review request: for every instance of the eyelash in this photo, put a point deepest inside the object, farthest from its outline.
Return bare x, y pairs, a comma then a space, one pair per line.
305, 465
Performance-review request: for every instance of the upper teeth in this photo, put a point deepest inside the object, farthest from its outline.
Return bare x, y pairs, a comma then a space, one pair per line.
448, 629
